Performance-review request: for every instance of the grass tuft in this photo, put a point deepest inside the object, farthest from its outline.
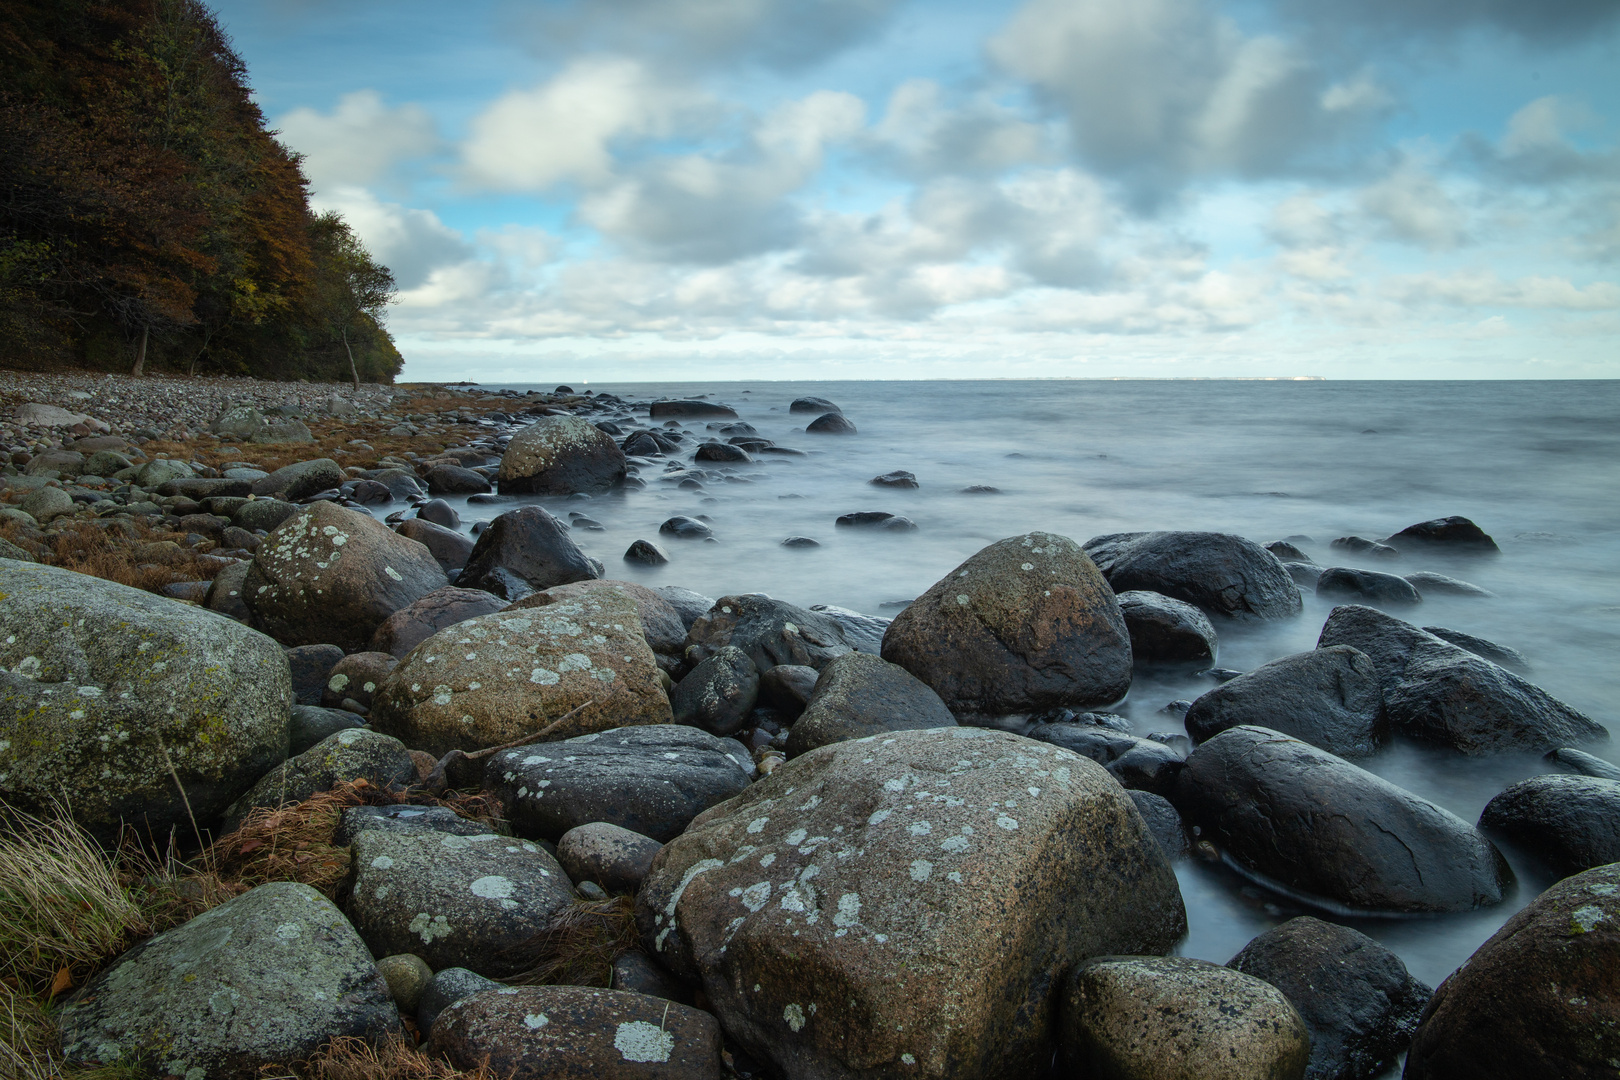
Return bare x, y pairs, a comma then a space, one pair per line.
579, 947
393, 1058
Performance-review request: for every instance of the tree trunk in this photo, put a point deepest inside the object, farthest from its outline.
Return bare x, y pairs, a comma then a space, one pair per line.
352, 369
140, 353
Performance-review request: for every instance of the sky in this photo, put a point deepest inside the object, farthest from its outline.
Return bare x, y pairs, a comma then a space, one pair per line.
847, 189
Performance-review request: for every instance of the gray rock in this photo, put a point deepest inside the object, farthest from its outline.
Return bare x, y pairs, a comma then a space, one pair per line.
155, 473
690, 409
613, 857
310, 665
1360, 545
1163, 821
561, 455
1579, 761
354, 679
262, 980
635, 972
447, 479
240, 423
425, 616
449, 549
1430, 582
646, 553
11, 551
787, 688
1219, 573
47, 504
111, 693
445, 989
1455, 534
832, 423
311, 724
1153, 1017
817, 405
475, 901
522, 552
1305, 575
863, 632
690, 606
770, 631
1501, 655
1570, 823
283, 429
299, 481
718, 694
1138, 764
348, 755
859, 695
1329, 697
1366, 585
263, 514
1167, 631
407, 977
225, 593
403, 817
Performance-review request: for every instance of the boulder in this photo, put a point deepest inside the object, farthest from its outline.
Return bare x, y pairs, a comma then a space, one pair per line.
450, 549
1452, 534
690, 606
298, 481
833, 423
686, 409
652, 780
38, 414
262, 980
114, 694
859, 695
770, 631
1135, 762
48, 504
332, 575
1028, 623
440, 609
907, 905
1571, 823
1165, 630
445, 989
494, 678
1579, 761
1152, 1017
239, 423
1346, 582
283, 429
524, 551
610, 855
874, 519
1537, 1001
263, 514
1440, 693
1429, 582
448, 479
1330, 697
352, 754
1501, 655
661, 624
1305, 575
1163, 822
476, 901
1357, 999
310, 724
579, 1033
66, 464
1360, 545
310, 667
718, 694
815, 405
1320, 827
224, 593
1219, 573
355, 678
863, 632
561, 455
646, 553
787, 688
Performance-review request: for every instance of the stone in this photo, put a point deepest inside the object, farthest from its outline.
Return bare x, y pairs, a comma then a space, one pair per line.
815, 405
155, 474
356, 678
724, 452
685, 528
858, 695
401, 483
1579, 761
1429, 582
332, 575
445, 989
522, 552
1134, 762
447, 479
718, 694
404, 818
690, 606
1537, 1001
425, 616
239, 423
8, 550
310, 666
770, 631
688, 409
262, 980
1360, 545
1026, 624
310, 724
1329, 697
1366, 585
450, 549
37, 414
1456, 534
1166, 631
113, 694
899, 478
352, 754
1570, 823
787, 688
440, 513
1320, 827
661, 624
652, 779
874, 519
646, 553
47, 504
263, 514
833, 423
863, 632
476, 901
908, 905
1357, 999
1218, 573
1443, 694
610, 855
283, 429
1176, 1018
66, 464
407, 976
1501, 655
1162, 821
298, 481
579, 1033
491, 679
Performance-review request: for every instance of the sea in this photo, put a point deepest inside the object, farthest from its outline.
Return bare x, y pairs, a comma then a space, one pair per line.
1535, 464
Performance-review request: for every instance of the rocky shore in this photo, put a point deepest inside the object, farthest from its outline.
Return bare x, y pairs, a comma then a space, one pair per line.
381, 796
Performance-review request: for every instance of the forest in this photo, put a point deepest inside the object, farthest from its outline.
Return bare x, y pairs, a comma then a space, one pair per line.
150, 221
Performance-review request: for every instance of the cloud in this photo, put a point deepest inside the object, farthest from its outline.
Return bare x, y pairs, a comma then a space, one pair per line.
1411, 206
412, 243
359, 141
1484, 288
1538, 145
926, 136
1545, 23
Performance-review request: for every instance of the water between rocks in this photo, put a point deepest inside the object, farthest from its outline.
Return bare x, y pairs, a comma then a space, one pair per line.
1536, 464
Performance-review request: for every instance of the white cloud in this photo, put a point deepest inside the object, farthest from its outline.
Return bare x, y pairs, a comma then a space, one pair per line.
412, 243
359, 141
1411, 206
929, 137
1484, 288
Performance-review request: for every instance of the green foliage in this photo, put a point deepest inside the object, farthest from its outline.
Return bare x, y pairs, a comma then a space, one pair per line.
142, 199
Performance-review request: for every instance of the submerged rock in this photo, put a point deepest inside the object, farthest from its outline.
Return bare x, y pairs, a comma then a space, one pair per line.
1571, 823
1217, 572
833, 423
1368, 585
1449, 533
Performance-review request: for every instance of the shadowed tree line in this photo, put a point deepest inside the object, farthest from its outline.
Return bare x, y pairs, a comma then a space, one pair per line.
149, 220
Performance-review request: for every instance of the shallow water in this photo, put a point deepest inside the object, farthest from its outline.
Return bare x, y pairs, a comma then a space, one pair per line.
1536, 464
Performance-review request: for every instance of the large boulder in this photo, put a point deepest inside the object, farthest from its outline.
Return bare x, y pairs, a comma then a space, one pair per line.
770, 631
859, 695
524, 551
352, 754
1571, 823
1176, 1018
264, 979
1219, 573
1451, 534
115, 695
718, 694
1165, 630
907, 905
1317, 825
690, 409
652, 780
1356, 997
661, 624
440, 609
579, 1033
1438, 692
1538, 1000
300, 480
1347, 582
1329, 697
561, 455
491, 679
1028, 623
332, 575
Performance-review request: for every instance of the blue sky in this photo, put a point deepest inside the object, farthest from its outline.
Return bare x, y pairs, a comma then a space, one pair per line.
713, 189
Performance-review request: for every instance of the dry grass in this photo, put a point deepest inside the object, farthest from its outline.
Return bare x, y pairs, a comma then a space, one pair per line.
115, 553
581, 945
394, 1058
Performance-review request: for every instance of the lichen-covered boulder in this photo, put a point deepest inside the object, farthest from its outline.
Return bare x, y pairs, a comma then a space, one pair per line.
353, 754
561, 455
1026, 624
495, 678
770, 631
906, 905
103, 688
331, 575
262, 980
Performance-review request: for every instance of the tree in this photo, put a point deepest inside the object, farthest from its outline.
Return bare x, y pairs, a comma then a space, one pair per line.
354, 290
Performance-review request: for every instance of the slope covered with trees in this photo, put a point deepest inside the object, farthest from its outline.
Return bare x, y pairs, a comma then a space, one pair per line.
149, 220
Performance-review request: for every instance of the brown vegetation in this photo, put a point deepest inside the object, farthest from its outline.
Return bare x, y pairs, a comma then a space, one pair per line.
133, 553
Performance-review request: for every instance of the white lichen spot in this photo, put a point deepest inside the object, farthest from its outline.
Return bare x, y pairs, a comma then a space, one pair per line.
794, 1016
441, 694
544, 677
289, 931
956, 845
754, 897
956, 876
796, 837
919, 828
962, 599
849, 910
640, 1041
1585, 918
382, 862
1027, 566
493, 887
429, 927
920, 869
1008, 823
908, 1059
536, 1021
758, 824
395, 574
879, 817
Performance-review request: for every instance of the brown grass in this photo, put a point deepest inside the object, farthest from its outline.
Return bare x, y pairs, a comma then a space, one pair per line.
114, 553
581, 944
393, 1058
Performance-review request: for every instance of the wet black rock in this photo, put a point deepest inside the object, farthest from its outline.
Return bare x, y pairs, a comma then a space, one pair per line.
311, 664
718, 451
687, 409
1220, 573
1356, 997
1360, 545
1456, 534
1287, 552
311, 724
830, 424
1368, 586
450, 549
1163, 821
439, 512
981, 489
1136, 763
1165, 630
1579, 761
718, 694
1305, 575
863, 632
1430, 582
859, 695
1319, 827
689, 606
812, 405
899, 478
1329, 697
1571, 823
800, 542
455, 480
787, 688
770, 631
1501, 655
686, 528
646, 553
525, 551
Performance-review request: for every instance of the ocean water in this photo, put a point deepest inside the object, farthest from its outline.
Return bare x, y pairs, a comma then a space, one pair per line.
1536, 464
